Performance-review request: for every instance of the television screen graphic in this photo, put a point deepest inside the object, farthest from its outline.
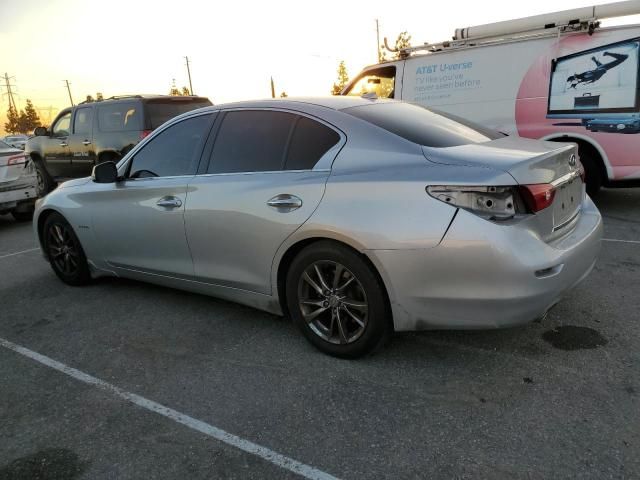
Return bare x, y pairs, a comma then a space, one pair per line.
603, 80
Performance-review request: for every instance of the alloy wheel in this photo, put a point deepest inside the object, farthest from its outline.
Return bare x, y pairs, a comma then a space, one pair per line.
62, 249
333, 302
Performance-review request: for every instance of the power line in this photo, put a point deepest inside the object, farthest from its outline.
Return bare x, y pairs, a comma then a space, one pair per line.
189, 74
69, 90
7, 85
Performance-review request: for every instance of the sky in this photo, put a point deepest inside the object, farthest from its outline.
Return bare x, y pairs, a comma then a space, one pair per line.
138, 46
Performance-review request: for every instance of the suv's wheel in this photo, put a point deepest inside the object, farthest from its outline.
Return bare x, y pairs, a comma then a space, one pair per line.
64, 251
337, 300
44, 182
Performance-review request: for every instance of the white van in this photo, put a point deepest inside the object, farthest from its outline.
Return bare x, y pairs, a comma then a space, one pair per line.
557, 76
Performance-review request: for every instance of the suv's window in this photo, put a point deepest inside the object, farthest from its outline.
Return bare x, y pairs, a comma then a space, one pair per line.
251, 141
420, 125
174, 151
61, 127
380, 81
120, 117
310, 141
159, 111
83, 120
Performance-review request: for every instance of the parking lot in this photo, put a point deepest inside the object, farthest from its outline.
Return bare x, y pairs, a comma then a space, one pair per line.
250, 398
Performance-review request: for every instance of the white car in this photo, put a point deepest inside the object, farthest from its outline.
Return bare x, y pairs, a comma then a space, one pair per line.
17, 183
17, 141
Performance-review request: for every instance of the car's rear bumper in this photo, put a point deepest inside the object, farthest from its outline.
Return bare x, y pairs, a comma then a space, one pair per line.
484, 275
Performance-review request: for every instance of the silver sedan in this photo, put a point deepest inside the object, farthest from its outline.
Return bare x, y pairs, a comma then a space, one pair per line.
355, 217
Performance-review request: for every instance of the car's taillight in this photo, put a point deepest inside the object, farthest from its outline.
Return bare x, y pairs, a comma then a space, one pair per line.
538, 197
145, 133
492, 203
17, 159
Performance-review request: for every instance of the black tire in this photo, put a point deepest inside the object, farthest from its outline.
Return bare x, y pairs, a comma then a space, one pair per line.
592, 169
64, 251
334, 330
22, 216
45, 183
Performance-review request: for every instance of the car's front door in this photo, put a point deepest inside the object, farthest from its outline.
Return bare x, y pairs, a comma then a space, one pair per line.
83, 155
265, 177
139, 221
56, 147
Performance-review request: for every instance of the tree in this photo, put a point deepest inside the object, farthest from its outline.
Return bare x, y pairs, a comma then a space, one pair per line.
283, 95
11, 126
403, 41
185, 92
24, 121
343, 79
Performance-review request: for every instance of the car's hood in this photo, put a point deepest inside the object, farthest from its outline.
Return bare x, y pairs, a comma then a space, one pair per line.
527, 161
76, 182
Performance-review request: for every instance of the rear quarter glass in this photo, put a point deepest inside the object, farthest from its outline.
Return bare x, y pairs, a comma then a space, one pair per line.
160, 111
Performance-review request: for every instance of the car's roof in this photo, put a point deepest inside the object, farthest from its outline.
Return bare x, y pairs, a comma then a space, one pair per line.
336, 102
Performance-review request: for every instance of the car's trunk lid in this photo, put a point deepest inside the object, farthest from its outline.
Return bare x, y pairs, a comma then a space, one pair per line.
529, 162
12, 164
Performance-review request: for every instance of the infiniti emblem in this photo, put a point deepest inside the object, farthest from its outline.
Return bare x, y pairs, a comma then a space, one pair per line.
572, 160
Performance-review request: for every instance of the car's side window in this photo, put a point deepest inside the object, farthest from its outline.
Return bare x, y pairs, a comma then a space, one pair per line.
173, 152
309, 142
120, 117
61, 127
83, 120
251, 141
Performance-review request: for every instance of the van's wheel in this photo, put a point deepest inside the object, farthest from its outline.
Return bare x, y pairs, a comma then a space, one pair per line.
591, 164
44, 182
64, 251
337, 300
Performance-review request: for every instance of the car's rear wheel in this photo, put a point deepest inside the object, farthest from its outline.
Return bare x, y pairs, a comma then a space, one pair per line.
337, 300
64, 251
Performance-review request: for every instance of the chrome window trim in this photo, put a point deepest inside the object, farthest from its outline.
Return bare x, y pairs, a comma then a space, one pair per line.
269, 172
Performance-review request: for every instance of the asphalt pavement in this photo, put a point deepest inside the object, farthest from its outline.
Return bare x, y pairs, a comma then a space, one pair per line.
558, 398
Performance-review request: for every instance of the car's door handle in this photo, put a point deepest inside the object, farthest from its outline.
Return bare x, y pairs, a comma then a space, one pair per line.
169, 202
285, 202
64, 144
86, 142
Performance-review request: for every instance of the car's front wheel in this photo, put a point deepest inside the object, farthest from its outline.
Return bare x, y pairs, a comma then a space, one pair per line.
337, 300
64, 251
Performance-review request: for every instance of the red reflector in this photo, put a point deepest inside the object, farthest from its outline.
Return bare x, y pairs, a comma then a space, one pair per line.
17, 160
539, 196
145, 133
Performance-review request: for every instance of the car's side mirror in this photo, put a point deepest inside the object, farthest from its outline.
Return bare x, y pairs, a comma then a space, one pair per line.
40, 132
105, 172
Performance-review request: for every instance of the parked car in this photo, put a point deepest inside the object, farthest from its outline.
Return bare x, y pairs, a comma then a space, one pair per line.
90, 133
557, 76
17, 183
355, 217
17, 141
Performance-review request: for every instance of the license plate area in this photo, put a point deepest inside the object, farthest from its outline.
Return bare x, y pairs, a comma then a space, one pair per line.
566, 205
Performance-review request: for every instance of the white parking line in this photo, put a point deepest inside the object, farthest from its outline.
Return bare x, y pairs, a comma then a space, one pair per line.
621, 241
18, 253
265, 453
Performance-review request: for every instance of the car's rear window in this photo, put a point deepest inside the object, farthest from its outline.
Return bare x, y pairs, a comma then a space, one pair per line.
5, 145
159, 111
421, 125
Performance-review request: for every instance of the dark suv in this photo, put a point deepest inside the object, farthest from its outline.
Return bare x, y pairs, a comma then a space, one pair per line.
99, 131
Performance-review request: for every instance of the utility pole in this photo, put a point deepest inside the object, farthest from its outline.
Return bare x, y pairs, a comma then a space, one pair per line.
377, 41
69, 90
189, 74
273, 89
7, 85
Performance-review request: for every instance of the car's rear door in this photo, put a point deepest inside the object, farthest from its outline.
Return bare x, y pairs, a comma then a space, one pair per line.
139, 221
266, 175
